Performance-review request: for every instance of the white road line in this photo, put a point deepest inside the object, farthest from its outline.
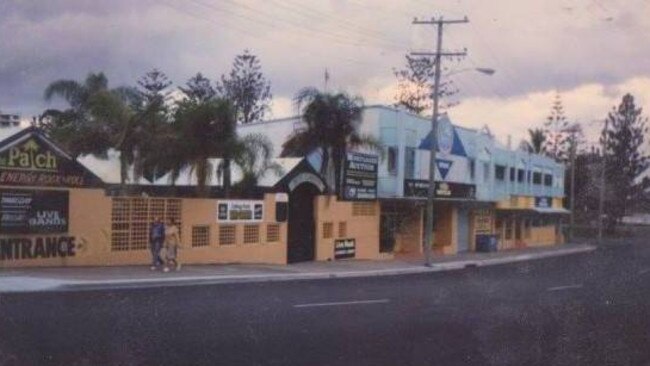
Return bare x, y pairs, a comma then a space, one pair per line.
567, 287
643, 271
341, 303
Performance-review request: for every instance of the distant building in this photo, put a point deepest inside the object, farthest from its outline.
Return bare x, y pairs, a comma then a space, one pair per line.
9, 120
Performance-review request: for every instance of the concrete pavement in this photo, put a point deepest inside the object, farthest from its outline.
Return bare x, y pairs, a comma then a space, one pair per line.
92, 278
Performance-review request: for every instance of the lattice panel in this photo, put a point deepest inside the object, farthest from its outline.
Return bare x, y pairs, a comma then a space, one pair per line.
343, 229
156, 209
272, 233
251, 234
328, 230
201, 236
363, 209
227, 234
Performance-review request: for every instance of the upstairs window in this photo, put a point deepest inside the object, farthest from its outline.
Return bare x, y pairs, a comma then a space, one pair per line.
409, 163
499, 172
537, 178
512, 174
521, 174
392, 160
548, 180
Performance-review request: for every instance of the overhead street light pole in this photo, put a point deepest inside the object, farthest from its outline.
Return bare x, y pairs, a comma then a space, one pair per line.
601, 198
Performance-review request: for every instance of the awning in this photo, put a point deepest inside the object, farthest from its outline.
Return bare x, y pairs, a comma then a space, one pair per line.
552, 210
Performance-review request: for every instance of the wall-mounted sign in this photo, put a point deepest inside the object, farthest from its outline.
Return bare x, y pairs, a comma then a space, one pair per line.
345, 248
33, 212
359, 177
31, 161
444, 166
419, 188
482, 221
543, 202
37, 248
240, 211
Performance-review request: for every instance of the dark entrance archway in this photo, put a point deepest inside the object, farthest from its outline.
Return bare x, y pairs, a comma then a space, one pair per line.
301, 244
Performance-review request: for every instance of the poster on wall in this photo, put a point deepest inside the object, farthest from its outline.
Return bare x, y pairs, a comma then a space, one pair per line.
33, 211
420, 188
483, 221
345, 248
240, 211
359, 181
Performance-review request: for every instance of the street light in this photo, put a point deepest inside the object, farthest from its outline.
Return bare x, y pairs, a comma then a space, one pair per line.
428, 229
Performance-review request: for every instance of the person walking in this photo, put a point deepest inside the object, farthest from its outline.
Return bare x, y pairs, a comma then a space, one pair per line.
156, 241
172, 243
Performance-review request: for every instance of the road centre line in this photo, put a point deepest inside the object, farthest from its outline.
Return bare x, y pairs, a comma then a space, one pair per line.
643, 271
342, 303
566, 287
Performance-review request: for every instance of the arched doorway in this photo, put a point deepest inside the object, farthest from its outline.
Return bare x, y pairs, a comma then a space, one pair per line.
301, 243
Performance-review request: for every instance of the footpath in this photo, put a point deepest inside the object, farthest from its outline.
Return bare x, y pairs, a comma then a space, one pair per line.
95, 278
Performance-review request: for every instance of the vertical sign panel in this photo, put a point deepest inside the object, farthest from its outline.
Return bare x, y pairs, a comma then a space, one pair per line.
359, 181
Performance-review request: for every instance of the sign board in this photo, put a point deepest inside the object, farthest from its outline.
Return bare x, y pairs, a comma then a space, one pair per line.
240, 211
482, 221
443, 167
420, 188
543, 202
33, 211
359, 177
31, 161
345, 248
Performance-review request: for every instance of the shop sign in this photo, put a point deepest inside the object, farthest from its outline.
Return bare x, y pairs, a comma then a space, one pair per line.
543, 202
37, 248
345, 248
240, 211
35, 163
420, 188
33, 212
359, 177
483, 221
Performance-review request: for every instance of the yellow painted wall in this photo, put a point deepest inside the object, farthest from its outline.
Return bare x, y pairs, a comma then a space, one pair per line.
408, 241
446, 240
90, 223
364, 229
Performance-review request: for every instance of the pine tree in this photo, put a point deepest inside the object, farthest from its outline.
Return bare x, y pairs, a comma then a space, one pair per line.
557, 143
199, 89
415, 86
247, 88
626, 160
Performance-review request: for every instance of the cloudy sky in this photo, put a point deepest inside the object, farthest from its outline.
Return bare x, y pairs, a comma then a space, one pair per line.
590, 51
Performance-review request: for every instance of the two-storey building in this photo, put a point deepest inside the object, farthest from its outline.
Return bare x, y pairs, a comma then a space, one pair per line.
482, 186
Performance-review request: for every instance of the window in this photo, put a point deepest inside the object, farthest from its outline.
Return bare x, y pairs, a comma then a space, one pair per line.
512, 174
509, 225
328, 230
200, 236
409, 163
343, 229
363, 209
272, 233
520, 175
537, 178
227, 234
251, 234
499, 172
548, 180
472, 168
392, 160
486, 172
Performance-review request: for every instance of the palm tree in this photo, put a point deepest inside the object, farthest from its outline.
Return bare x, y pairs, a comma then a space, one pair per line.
97, 118
253, 156
332, 127
203, 130
537, 138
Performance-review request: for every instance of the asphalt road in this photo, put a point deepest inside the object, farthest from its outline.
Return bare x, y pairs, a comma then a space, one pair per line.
584, 309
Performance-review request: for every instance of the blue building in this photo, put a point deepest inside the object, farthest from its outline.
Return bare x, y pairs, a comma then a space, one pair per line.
482, 186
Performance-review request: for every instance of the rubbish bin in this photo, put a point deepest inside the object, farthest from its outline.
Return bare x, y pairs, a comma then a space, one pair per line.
487, 243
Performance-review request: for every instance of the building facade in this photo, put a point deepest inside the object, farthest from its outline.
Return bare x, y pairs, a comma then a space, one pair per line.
482, 187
